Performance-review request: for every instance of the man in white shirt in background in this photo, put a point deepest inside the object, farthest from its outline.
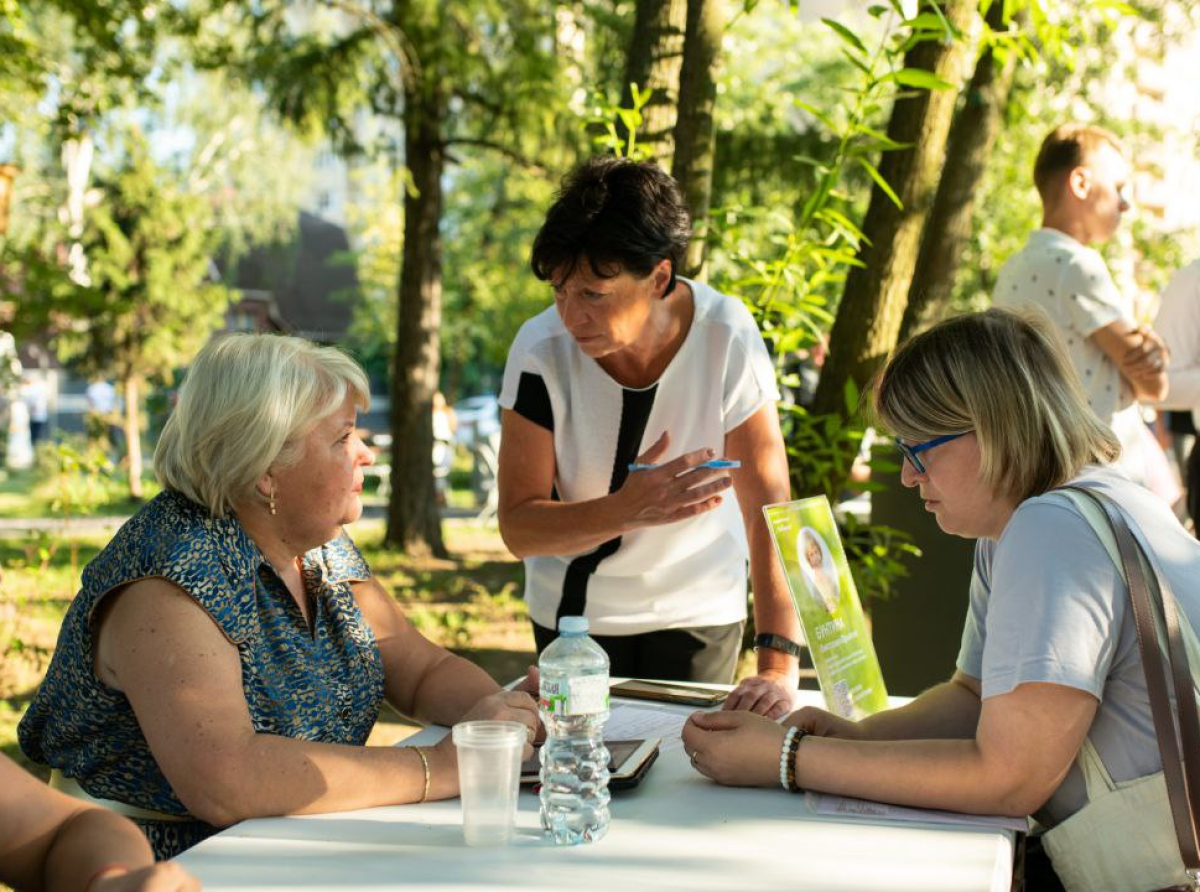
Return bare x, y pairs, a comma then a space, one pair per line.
1082, 176
1178, 322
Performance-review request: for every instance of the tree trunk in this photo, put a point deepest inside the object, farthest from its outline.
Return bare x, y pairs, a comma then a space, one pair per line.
414, 524
133, 435
77, 154
972, 137
693, 163
654, 60
873, 301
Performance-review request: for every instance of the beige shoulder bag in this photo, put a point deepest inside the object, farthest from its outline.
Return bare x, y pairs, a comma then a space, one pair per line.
1122, 838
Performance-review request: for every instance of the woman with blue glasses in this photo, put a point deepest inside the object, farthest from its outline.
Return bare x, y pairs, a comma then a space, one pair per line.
1047, 713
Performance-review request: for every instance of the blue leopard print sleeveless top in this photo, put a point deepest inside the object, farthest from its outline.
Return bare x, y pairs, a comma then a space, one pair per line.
321, 684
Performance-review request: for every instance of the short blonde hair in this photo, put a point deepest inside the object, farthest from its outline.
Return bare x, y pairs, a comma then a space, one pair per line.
246, 404
1005, 376
1068, 146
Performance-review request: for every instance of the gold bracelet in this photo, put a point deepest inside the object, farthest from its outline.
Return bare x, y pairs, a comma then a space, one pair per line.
425, 765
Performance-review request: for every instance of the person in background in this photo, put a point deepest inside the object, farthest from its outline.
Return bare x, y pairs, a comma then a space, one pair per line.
444, 425
51, 841
636, 365
229, 650
10, 380
36, 394
1082, 176
103, 418
1048, 713
1178, 322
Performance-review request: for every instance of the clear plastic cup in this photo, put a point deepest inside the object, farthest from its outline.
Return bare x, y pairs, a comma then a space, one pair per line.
489, 776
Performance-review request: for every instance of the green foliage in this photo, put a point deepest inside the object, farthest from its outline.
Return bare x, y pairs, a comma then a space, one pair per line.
149, 305
495, 211
878, 556
378, 220
605, 117
81, 476
495, 65
790, 287
1070, 48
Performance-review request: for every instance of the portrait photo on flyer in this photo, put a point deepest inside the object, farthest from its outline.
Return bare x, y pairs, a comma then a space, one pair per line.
810, 550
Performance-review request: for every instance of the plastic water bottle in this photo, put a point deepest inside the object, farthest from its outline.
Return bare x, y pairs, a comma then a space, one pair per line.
573, 699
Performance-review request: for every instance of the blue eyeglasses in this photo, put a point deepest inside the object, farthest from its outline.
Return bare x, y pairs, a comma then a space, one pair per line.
913, 452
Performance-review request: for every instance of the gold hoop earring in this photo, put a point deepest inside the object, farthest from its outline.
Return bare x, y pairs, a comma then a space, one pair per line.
272, 498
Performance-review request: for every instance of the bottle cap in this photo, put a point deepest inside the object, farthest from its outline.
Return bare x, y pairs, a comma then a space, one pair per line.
572, 625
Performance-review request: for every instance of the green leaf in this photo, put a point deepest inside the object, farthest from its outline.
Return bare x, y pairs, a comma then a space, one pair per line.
856, 60
885, 141
875, 175
816, 113
926, 21
850, 394
919, 78
840, 220
847, 35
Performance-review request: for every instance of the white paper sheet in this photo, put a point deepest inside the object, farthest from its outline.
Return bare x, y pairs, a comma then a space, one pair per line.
629, 721
823, 804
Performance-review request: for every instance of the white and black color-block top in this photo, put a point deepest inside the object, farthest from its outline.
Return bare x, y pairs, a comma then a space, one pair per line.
681, 575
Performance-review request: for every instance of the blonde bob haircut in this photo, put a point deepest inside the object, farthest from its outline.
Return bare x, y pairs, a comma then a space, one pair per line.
1005, 376
246, 405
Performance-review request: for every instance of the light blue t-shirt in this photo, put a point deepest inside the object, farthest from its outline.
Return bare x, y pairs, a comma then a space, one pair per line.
1048, 605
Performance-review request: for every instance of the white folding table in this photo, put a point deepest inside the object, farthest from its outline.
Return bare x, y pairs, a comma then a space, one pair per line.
677, 830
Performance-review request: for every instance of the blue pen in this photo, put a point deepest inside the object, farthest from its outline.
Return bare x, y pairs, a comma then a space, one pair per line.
713, 463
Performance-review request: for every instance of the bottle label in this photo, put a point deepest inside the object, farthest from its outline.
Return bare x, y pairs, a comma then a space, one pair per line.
585, 695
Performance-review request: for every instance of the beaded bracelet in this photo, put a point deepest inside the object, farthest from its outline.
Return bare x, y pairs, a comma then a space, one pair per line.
787, 759
425, 765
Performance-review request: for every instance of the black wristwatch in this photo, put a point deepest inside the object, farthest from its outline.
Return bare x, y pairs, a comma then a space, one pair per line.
777, 642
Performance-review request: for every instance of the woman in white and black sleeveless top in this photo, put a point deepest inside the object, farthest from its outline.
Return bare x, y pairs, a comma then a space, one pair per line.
635, 365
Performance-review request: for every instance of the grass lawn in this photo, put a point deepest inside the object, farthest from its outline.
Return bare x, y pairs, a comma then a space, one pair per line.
46, 494
470, 603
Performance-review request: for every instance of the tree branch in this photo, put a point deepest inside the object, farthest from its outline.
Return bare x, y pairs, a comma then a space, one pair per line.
505, 151
391, 34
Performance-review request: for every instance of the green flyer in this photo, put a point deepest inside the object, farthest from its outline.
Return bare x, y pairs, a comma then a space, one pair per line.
810, 549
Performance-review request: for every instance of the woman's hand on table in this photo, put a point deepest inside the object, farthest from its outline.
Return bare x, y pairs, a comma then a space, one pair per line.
821, 723
767, 694
508, 706
672, 491
738, 749
531, 685
162, 877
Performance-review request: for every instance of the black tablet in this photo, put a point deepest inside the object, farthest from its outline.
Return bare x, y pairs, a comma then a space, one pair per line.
629, 760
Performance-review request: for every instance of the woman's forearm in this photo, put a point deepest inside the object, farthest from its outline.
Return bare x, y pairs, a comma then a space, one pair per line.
949, 710
269, 775
546, 527
449, 689
89, 841
774, 610
942, 774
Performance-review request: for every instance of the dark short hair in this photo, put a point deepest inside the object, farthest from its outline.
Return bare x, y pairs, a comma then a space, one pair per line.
616, 214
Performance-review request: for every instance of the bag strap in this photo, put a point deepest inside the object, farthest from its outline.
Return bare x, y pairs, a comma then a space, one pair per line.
1181, 767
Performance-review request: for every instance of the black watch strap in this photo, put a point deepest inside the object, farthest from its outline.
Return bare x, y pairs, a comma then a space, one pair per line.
777, 642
